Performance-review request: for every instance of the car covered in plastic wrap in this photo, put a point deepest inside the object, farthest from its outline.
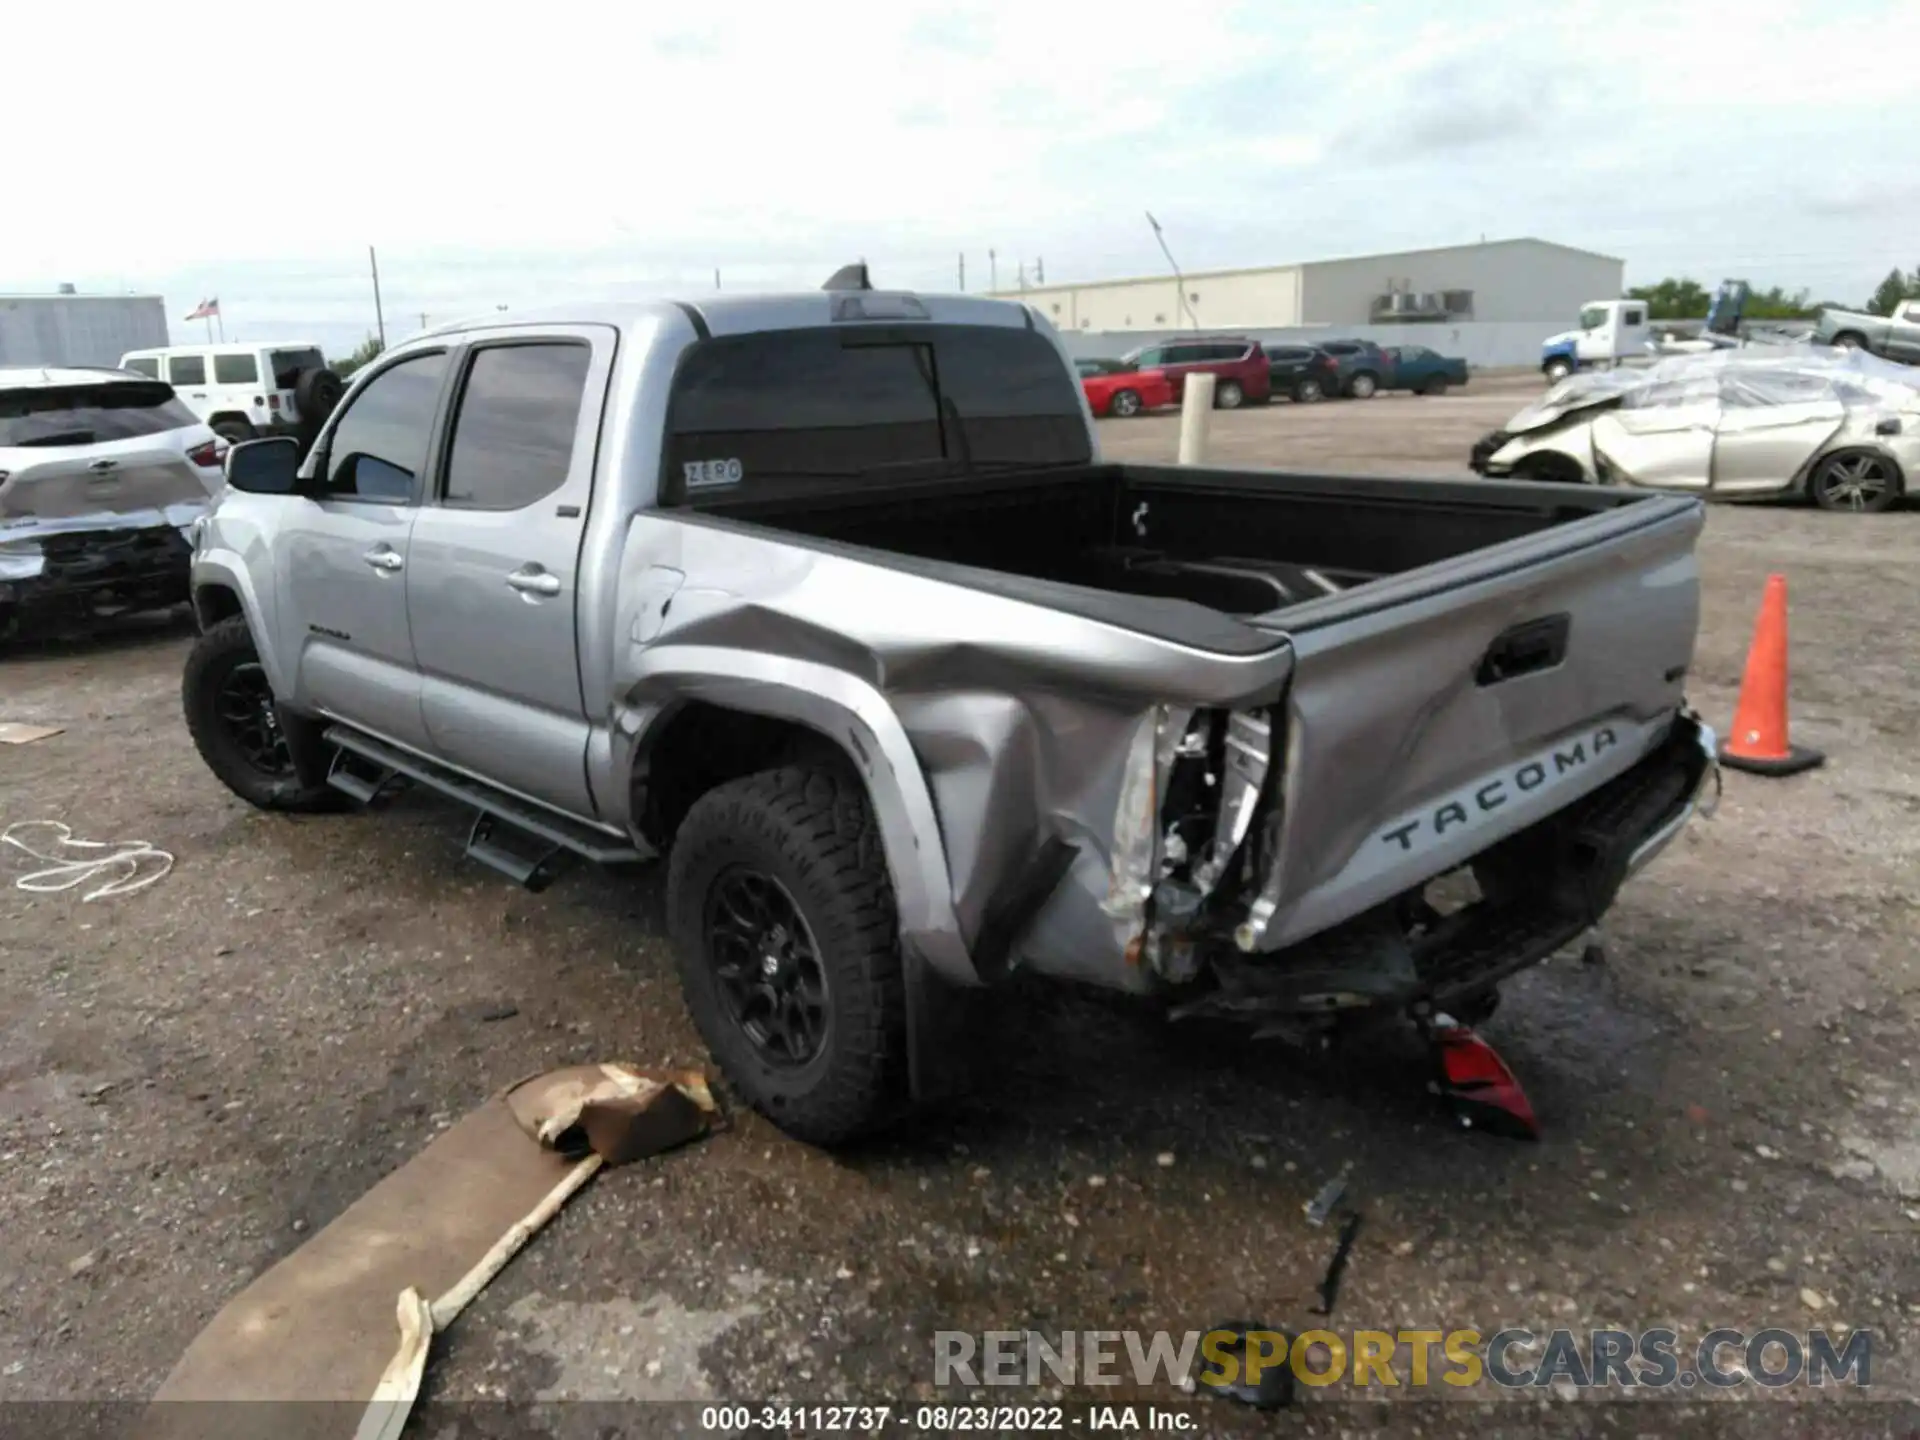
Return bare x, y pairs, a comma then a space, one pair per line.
1839, 427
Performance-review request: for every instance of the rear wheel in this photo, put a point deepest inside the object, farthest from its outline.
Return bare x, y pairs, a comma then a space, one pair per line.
1228, 395
1860, 482
1850, 341
1125, 403
233, 430
783, 924
1363, 386
1436, 386
238, 727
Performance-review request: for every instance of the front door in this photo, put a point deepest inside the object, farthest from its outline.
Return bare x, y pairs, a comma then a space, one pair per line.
493, 571
341, 559
1665, 440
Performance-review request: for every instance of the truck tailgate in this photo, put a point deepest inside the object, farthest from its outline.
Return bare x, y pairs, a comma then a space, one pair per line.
1436, 712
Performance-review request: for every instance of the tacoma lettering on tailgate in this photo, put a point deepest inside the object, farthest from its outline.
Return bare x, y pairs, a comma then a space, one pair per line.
1468, 807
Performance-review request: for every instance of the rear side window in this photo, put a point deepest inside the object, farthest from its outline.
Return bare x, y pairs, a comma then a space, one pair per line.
379, 445
88, 414
146, 365
235, 370
869, 403
187, 369
287, 365
513, 438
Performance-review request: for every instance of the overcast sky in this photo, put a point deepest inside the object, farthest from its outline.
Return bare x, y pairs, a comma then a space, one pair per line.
509, 153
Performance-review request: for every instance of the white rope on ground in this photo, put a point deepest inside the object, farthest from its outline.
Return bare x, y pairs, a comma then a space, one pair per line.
71, 863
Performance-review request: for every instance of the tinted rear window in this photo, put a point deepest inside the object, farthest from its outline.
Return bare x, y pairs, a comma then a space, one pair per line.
148, 366
88, 414
287, 365
873, 402
235, 370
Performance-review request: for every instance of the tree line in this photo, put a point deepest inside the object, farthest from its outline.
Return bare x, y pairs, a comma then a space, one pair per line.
1682, 299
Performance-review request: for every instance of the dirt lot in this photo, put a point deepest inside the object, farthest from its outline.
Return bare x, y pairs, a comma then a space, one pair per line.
194, 1077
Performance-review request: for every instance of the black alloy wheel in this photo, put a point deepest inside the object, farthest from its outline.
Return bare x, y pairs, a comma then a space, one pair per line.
771, 981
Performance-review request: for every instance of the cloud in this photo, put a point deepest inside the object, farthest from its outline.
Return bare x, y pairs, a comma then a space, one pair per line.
632, 149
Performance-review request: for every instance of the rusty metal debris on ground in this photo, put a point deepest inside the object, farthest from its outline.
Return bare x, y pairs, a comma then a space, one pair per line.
433, 1233
18, 732
129, 865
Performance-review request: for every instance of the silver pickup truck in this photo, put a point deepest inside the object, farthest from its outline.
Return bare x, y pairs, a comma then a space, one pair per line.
831, 598
1895, 336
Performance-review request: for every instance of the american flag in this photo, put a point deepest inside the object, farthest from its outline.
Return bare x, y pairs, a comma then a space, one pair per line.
206, 310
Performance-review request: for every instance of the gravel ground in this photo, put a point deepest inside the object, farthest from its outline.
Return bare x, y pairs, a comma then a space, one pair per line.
195, 1076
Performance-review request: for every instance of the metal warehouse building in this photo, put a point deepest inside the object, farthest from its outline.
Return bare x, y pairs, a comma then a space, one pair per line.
1524, 280
69, 329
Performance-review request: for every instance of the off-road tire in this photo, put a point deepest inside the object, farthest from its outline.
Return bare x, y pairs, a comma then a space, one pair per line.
316, 391
234, 432
809, 828
1228, 395
215, 655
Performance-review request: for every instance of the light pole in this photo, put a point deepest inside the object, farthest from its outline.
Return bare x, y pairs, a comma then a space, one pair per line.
1174, 265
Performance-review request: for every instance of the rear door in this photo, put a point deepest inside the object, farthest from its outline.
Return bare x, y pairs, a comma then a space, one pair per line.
493, 572
1772, 424
341, 558
187, 373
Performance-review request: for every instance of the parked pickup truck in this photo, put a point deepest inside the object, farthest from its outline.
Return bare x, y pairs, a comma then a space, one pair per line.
831, 598
1895, 336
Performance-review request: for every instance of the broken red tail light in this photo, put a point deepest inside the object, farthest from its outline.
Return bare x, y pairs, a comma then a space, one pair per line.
207, 455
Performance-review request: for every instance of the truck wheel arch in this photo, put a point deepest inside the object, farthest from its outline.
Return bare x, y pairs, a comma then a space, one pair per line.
815, 709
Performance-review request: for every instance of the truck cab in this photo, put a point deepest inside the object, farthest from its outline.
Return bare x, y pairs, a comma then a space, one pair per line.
1609, 331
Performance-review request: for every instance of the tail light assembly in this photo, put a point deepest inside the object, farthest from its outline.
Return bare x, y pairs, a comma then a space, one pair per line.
208, 455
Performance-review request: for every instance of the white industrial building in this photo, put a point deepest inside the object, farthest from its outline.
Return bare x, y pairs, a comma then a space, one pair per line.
71, 329
1499, 281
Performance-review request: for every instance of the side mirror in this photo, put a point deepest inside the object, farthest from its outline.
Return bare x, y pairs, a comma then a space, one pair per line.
265, 467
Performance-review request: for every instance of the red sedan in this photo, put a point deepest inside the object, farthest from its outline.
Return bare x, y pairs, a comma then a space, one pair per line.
1115, 388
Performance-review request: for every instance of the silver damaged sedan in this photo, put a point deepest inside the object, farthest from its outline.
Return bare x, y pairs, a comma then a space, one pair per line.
1839, 427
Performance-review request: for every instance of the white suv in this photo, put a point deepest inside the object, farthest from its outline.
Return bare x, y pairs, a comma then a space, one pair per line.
241, 391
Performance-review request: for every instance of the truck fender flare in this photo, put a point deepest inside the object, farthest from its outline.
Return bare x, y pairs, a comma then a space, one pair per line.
856, 718
223, 569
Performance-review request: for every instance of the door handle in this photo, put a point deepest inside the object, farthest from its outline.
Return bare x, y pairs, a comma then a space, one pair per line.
533, 581
382, 557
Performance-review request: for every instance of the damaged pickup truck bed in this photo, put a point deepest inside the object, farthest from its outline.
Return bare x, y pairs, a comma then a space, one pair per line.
831, 596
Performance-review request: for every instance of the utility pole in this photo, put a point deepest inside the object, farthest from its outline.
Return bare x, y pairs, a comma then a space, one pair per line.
716, 277
1039, 271
423, 319
379, 317
963, 272
993, 272
1174, 265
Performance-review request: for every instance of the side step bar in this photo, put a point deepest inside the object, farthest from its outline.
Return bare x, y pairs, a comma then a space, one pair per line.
521, 840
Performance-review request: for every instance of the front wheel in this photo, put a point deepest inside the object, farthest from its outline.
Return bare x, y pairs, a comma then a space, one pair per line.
1308, 392
1862, 483
1229, 395
1557, 370
237, 726
1125, 404
784, 928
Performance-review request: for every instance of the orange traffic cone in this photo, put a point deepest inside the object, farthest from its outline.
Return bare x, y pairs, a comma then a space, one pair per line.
1759, 741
